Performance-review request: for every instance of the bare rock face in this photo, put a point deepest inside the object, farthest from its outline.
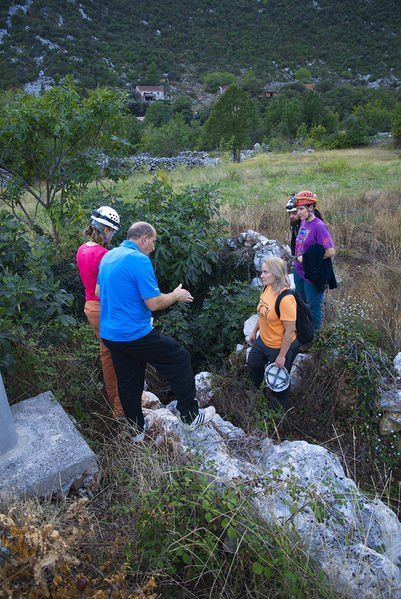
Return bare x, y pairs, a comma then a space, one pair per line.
203, 383
355, 541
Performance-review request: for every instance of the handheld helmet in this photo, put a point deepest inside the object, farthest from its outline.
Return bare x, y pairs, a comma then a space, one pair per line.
106, 216
277, 379
291, 204
305, 197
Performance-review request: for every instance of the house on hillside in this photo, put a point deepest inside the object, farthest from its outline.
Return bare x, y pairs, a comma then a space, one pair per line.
150, 93
268, 91
309, 86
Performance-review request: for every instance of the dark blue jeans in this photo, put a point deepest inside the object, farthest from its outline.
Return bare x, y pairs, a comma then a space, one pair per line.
261, 355
312, 297
168, 357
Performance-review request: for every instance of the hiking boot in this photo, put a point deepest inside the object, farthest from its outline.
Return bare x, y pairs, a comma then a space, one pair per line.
204, 415
141, 436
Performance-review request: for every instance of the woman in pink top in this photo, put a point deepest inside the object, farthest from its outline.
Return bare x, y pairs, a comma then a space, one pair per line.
104, 223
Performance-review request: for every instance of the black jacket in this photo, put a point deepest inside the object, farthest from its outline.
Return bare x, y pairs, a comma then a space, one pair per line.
318, 271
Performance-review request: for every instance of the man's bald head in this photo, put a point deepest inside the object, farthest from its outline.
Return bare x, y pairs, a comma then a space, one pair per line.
140, 229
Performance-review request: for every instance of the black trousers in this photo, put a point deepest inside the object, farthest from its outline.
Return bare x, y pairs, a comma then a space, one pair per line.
261, 355
168, 357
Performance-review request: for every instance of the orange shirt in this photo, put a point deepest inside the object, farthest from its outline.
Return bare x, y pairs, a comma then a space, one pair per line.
271, 328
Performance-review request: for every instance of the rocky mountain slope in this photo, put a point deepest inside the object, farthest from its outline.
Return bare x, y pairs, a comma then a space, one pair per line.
120, 42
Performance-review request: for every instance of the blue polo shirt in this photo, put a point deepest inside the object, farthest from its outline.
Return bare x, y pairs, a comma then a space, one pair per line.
126, 277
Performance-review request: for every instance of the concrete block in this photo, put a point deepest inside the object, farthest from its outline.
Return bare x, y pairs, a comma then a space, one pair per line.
50, 455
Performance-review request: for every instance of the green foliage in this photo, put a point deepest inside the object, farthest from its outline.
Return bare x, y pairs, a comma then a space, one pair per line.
199, 36
212, 330
188, 226
193, 530
151, 75
169, 139
396, 124
183, 105
347, 346
303, 74
64, 360
52, 146
158, 114
214, 80
29, 295
251, 83
231, 120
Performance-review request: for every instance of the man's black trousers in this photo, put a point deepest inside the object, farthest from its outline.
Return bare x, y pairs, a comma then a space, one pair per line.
168, 357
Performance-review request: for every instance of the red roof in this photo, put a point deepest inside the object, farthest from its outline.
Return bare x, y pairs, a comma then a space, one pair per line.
309, 85
150, 88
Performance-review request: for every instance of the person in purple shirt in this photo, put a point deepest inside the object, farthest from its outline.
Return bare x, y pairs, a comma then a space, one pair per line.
312, 232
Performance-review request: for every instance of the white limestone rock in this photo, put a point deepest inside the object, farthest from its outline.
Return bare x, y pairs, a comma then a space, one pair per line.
203, 383
356, 542
249, 325
296, 368
150, 401
271, 249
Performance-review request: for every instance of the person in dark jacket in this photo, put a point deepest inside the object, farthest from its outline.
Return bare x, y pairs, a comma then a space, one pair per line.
295, 221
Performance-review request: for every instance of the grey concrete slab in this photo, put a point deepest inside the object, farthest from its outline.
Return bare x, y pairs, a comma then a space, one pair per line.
50, 455
8, 434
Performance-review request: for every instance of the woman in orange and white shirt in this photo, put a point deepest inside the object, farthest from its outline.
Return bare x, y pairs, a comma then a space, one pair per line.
277, 342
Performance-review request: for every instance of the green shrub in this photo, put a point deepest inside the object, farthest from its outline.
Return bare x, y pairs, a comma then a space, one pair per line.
214, 80
197, 534
188, 226
30, 298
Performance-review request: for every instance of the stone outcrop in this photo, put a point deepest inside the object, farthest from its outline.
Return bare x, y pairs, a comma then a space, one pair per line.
302, 487
389, 403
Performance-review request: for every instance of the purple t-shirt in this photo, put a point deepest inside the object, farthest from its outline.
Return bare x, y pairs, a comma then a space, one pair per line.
308, 234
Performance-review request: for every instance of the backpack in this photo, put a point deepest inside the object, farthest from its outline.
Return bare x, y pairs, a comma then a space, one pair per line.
304, 322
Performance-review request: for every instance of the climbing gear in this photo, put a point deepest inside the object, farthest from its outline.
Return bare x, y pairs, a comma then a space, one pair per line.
291, 204
277, 379
106, 216
305, 197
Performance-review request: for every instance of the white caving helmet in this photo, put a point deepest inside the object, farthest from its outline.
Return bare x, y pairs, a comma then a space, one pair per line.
277, 379
106, 216
291, 204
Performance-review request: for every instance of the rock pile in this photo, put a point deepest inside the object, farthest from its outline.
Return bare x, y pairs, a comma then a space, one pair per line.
152, 163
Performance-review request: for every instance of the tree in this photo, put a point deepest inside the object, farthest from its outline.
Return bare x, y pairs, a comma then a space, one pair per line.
396, 124
52, 146
214, 80
251, 84
183, 105
303, 74
231, 120
158, 114
151, 75
169, 139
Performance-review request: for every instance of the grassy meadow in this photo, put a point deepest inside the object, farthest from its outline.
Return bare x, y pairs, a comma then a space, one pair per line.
353, 186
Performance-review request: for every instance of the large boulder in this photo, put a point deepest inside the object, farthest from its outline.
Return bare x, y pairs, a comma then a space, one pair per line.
390, 405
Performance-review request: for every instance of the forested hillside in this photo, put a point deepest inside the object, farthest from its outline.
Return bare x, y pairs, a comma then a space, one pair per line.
121, 42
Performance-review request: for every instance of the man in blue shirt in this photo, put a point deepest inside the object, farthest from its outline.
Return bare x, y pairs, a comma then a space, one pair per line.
129, 293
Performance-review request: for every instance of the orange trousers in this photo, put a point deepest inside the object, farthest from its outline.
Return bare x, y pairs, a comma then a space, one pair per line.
92, 311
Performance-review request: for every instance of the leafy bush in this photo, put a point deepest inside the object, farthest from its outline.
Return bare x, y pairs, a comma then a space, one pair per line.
214, 80
188, 226
213, 331
29, 295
